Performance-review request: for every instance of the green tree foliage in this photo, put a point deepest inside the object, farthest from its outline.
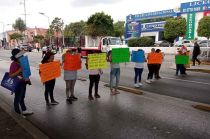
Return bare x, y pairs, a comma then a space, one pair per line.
75, 29
16, 36
19, 25
57, 24
174, 27
204, 27
38, 39
119, 29
100, 24
141, 42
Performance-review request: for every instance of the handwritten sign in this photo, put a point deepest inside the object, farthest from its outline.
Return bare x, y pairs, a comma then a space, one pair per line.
50, 71
155, 58
120, 55
181, 59
97, 61
72, 62
138, 56
25, 67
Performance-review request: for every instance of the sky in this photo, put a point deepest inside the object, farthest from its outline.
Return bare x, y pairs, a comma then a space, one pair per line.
76, 10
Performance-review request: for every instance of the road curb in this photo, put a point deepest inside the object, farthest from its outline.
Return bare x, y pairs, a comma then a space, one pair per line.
35, 132
202, 107
128, 89
199, 70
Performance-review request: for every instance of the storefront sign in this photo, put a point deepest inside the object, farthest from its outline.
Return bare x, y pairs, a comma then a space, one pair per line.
190, 26
206, 13
133, 30
156, 26
196, 6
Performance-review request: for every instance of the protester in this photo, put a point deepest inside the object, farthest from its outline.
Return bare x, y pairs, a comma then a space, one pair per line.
151, 67
114, 73
44, 51
196, 53
138, 69
49, 85
180, 67
16, 71
70, 77
157, 66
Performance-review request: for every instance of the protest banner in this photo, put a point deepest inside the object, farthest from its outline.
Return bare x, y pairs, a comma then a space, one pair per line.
138, 56
72, 62
25, 67
120, 55
97, 61
155, 58
49, 71
181, 59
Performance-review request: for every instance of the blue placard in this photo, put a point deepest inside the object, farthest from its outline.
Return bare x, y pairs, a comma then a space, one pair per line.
138, 56
9, 83
195, 6
25, 67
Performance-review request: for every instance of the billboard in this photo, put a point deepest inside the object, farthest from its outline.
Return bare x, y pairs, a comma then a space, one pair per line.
150, 27
196, 6
132, 30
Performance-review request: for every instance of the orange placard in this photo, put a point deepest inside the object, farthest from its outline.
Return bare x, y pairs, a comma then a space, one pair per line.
72, 62
155, 58
50, 71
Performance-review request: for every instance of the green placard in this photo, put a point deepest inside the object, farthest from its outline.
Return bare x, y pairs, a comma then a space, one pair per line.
182, 59
190, 26
120, 55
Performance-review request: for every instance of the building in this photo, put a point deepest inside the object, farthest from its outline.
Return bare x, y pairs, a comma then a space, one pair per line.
152, 24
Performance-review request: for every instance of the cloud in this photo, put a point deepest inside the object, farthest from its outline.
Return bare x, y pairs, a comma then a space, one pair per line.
85, 3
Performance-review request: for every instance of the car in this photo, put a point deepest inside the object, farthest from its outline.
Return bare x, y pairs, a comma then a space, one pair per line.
25, 47
187, 43
162, 44
204, 43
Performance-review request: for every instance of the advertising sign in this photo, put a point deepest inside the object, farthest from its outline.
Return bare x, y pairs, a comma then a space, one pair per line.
206, 13
190, 26
196, 6
133, 30
25, 67
120, 55
155, 26
97, 61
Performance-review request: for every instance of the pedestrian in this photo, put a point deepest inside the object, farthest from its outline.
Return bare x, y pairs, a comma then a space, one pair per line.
180, 67
70, 77
138, 69
49, 85
196, 53
94, 77
16, 71
151, 67
157, 66
114, 73
44, 51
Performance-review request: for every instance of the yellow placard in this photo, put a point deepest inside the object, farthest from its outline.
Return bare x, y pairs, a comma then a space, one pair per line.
97, 61
49, 71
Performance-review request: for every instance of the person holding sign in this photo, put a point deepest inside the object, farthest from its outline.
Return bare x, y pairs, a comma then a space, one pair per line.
138, 58
179, 63
16, 71
151, 65
71, 63
49, 85
158, 65
114, 73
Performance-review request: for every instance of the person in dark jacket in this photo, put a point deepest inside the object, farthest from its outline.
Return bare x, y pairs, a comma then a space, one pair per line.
196, 52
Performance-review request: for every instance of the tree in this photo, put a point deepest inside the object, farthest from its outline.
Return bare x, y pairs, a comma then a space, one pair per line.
75, 29
204, 27
56, 26
38, 38
16, 37
99, 24
119, 29
141, 42
174, 27
19, 25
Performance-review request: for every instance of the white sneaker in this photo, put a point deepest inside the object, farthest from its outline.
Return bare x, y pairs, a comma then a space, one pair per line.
152, 80
148, 81
140, 84
136, 85
27, 112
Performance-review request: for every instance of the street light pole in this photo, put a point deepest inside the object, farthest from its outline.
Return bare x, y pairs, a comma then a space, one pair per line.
48, 24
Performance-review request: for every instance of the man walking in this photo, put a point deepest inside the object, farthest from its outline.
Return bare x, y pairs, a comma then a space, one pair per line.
196, 52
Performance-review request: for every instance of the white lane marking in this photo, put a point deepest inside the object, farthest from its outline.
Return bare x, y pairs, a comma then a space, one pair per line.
186, 80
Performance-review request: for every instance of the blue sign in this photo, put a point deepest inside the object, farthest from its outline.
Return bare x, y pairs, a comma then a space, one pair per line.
155, 26
133, 30
9, 83
138, 56
151, 15
196, 6
25, 67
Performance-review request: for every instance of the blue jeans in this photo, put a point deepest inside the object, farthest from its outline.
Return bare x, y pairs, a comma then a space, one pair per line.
180, 68
19, 98
138, 73
115, 73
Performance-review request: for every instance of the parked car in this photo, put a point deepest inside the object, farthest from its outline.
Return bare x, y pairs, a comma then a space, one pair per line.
162, 44
187, 43
25, 47
204, 43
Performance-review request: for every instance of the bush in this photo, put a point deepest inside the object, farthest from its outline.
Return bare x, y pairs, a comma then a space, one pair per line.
141, 42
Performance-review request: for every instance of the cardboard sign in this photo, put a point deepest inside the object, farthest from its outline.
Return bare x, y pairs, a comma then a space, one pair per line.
72, 62
97, 61
181, 59
25, 67
138, 56
155, 58
50, 71
120, 55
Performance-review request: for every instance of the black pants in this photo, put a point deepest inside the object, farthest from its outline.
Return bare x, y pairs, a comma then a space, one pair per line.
94, 79
49, 88
157, 69
194, 58
151, 68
